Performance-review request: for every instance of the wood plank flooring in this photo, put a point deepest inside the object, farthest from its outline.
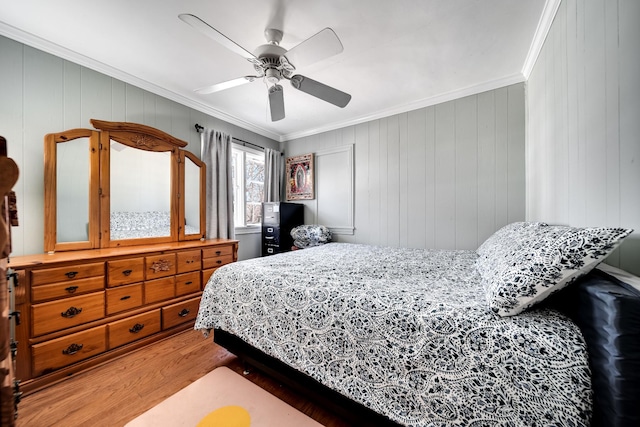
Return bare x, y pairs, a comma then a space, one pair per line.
114, 393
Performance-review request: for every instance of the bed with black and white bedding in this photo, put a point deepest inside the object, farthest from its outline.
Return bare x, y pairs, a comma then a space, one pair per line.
424, 337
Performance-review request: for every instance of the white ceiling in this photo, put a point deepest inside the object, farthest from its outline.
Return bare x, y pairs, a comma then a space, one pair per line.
398, 55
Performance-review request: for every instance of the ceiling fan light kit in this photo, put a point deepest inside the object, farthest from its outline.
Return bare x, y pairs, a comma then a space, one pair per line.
273, 63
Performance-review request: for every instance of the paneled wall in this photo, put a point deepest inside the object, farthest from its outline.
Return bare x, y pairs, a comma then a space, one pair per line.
41, 93
583, 124
445, 176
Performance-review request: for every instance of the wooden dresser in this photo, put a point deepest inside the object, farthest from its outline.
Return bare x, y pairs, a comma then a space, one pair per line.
81, 308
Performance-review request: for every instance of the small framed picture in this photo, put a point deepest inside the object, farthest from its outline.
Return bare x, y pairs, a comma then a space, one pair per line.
299, 177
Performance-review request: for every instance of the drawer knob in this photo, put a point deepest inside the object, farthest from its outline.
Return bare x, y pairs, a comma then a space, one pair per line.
184, 312
127, 272
218, 262
188, 283
136, 328
71, 274
71, 312
72, 349
218, 252
126, 297
71, 289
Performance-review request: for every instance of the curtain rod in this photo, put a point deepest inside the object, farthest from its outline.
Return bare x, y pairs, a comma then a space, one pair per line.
200, 128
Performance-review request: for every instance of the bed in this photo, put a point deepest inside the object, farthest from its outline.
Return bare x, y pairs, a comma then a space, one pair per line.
414, 337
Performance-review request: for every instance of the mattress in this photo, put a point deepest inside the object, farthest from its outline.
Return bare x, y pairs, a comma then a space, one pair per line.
407, 333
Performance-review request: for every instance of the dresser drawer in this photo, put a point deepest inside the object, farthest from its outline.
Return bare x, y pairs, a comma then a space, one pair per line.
133, 328
65, 289
56, 315
160, 266
187, 283
217, 262
70, 349
217, 251
125, 271
159, 289
124, 298
271, 234
182, 312
66, 274
189, 261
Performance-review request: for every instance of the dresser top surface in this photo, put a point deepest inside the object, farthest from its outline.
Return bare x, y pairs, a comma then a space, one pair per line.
91, 254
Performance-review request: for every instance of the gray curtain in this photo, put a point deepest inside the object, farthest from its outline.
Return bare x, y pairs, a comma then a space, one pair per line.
216, 153
273, 175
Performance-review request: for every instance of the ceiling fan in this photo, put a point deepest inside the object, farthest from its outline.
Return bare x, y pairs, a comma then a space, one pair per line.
274, 63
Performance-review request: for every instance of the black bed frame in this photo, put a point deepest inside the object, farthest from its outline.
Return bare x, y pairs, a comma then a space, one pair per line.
353, 412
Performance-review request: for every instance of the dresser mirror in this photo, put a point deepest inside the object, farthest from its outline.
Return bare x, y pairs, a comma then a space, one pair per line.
72, 200
140, 198
123, 184
194, 178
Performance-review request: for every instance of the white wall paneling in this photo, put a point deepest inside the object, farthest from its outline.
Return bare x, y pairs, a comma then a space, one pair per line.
334, 189
583, 127
445, 176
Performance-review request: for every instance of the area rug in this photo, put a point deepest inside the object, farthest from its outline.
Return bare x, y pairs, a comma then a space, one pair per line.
222, 398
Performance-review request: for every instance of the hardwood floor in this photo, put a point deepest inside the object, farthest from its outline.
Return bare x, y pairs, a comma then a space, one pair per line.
114, 393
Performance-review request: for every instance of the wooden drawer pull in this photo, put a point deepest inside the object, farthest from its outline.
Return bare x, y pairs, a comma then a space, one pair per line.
218, 252
136, 328
71, 274
127, 272
126, 297
184, 312
71, 312
72, 349
71, 289
218, 262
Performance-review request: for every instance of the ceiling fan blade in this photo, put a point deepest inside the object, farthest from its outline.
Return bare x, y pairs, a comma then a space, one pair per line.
216, 35
320, 90
319, 46
276, 103
225, 85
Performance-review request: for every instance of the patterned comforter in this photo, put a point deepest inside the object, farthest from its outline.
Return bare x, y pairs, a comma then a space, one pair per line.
407, 333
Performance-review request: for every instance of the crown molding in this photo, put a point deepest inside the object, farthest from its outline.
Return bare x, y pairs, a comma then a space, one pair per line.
82, 60
544, 25
403, 108
36, 42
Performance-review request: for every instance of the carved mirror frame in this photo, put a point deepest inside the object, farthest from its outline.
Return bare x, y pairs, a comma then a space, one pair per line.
133, 135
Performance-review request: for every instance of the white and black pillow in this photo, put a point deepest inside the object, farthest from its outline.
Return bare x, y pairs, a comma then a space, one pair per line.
537, 260
306, 236
494, 243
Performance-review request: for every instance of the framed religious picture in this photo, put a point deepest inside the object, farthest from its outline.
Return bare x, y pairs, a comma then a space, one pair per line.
299, 176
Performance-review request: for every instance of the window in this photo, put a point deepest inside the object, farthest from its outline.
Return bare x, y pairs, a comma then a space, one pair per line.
248, 185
